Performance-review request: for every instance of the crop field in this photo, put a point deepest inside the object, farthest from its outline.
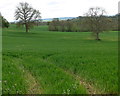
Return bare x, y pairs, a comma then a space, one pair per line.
49, 62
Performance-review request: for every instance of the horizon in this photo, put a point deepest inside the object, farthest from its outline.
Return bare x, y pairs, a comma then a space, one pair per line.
60, 18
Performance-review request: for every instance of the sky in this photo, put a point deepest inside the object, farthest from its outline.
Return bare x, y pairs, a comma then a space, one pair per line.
58, 8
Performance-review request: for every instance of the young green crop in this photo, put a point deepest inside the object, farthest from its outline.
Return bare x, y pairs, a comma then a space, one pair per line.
48, 55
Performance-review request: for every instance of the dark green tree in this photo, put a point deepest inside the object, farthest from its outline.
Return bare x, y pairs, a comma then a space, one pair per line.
4, 23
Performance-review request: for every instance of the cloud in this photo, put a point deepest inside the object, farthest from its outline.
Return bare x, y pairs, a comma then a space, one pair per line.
53, 3
59, 8
119, 7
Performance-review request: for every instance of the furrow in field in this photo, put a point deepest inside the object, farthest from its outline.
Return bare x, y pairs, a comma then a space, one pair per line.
34, 86
52, 78
32, 83
89, 87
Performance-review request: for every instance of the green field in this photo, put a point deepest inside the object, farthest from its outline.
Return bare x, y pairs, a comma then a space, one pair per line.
46, 62
0, 73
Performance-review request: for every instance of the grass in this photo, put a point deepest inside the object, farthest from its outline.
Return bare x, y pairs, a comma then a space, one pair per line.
49, 56
13, 77
0, 61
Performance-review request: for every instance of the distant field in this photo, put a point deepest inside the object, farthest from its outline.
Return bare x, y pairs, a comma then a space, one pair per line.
46, 62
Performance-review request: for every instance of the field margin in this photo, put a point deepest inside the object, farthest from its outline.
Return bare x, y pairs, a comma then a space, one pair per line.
0, 55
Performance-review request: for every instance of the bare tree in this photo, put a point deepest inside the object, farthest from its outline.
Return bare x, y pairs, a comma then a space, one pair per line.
26, 15
97, 21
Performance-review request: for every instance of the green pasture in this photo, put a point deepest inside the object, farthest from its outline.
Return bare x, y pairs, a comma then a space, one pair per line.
52, 61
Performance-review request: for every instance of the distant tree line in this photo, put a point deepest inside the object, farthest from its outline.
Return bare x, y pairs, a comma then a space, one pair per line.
94, 21
80, 24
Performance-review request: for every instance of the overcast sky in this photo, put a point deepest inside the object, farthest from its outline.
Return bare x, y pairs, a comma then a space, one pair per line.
59, 8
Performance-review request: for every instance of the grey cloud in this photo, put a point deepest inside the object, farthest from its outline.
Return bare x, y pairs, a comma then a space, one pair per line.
53, 3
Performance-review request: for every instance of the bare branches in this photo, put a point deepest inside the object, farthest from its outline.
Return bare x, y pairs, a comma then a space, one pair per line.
97, 21
96, 12
26, 14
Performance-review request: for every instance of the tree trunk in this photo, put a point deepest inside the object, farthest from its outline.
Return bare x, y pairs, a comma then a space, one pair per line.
97, 36
26, 26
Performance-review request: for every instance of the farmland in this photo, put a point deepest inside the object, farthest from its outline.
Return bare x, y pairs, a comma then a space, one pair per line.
49, 62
